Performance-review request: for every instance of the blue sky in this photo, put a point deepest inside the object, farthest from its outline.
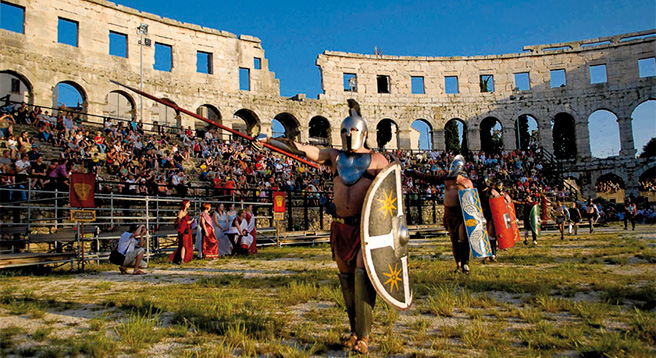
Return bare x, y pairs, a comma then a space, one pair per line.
293, 33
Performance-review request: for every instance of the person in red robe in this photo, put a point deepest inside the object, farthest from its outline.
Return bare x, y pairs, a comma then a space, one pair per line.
183, 224
210, 243
250, 220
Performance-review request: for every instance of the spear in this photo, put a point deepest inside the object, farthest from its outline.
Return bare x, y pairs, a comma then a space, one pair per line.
212, 122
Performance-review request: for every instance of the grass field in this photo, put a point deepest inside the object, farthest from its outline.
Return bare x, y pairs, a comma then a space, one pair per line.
592, 296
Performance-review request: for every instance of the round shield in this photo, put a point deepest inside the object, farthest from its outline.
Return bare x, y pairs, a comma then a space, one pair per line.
384, 238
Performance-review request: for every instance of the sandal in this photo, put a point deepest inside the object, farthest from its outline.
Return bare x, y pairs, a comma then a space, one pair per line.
123, 270
361, 346
465, 269
350, 341
138, 272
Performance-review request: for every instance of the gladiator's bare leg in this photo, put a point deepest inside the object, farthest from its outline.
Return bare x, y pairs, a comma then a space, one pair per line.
463, 248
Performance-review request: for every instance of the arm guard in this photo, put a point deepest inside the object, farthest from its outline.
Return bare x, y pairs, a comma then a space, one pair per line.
286, 144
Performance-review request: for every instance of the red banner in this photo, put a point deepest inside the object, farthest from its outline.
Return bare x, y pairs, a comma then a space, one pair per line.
279, 201
82, 190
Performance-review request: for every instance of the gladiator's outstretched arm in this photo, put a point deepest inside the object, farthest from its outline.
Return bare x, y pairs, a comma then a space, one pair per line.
180, 109
428, 178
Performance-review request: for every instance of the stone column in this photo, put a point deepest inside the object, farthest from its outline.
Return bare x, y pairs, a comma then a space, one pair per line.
336, 138
626, 138
582, 140
404, 139
439, 141
473, 139
509, 139
546, 136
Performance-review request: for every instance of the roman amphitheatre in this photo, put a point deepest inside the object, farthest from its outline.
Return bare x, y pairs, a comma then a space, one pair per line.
528, 117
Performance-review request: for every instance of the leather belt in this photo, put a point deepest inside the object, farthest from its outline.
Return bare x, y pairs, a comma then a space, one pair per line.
351, 220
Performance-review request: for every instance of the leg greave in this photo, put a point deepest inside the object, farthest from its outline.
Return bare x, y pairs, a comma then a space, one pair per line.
365, 299
347, 281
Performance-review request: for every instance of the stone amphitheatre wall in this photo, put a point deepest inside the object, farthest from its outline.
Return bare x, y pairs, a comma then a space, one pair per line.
36, 57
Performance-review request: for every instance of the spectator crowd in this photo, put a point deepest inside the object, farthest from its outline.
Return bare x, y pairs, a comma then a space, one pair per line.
129, 160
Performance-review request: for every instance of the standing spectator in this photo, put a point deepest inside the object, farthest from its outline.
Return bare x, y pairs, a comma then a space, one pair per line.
561, 217
220, 226
250, 221
575, 218
210, 244
184, 224
630, 213
593, 214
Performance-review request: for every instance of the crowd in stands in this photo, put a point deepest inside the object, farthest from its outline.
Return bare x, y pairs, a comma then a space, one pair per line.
648, 185
142, 162
608, 186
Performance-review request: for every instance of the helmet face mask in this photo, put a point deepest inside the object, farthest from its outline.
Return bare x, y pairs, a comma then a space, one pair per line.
457, 166
353, 132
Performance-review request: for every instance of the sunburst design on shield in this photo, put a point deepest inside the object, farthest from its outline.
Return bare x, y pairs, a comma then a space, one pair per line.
385, 238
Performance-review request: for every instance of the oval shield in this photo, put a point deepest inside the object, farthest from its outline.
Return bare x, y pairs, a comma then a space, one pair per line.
472, 213
384, 238
503, 222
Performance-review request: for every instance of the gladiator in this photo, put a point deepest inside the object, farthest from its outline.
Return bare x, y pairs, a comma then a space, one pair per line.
354, 167
488, 192
453, 219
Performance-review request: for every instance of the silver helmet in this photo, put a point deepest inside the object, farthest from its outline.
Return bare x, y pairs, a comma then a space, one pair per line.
354, 129
457, 166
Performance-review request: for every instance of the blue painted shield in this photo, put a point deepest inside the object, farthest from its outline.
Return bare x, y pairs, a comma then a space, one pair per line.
479, 241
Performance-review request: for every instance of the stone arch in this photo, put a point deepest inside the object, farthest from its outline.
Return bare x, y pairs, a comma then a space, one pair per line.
527, 132
119, 104
424, 134
70, 95
491, 135
319, 131
387, 134
162, 115
604, 134
455, 136
25, 90
647, 171
290, 124
564, 136
251, 122
643, 123
210, 112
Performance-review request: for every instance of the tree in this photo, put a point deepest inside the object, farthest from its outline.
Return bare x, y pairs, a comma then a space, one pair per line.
524, 135
649, 150
564, 136
452, 137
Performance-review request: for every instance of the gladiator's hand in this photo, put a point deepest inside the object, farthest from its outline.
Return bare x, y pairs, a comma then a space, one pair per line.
286, 144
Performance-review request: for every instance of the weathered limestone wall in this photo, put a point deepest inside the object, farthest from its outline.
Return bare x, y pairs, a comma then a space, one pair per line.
41, 62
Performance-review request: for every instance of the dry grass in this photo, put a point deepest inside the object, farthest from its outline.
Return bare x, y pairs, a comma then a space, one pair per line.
594, 296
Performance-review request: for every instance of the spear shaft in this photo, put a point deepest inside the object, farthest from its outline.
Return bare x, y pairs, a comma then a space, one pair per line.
212, 122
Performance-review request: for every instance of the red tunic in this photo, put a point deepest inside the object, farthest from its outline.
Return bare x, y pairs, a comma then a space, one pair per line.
183, 226
253, 248
210, 243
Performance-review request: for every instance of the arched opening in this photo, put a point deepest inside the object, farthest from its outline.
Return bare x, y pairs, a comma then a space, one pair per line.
609, 183
644, 128
564, 136
387, 134
210, 112
455, 139
422, 135
604, 134
527, 132
647, 182
290, 125
120, 105
16, 86
249, 124
491, 136
70, 96
162, 115
319, 132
